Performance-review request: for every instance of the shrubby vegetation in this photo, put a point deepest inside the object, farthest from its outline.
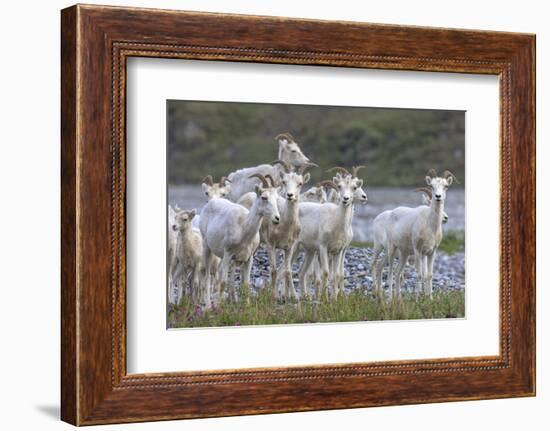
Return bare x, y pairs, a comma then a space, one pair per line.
397, 145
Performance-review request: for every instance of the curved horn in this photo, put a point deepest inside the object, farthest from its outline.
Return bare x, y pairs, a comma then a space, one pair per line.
306, 165
425, 190
223, 179
447, 174
271, 180
432, 173
340, 169
286, 136
208, 180
284, 164
265, 184
328, 183
356, 169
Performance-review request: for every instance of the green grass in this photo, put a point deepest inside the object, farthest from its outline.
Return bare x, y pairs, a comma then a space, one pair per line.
452, 242
362, 244
358, 306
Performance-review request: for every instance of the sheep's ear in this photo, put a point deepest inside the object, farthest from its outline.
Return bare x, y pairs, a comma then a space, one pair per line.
281, 175
204, 187
336, 179
360, 183
428, 180
307, 177
258, 189
192, 213
449, 180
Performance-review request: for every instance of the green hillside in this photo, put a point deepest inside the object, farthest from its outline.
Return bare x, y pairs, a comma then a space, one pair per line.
398, 146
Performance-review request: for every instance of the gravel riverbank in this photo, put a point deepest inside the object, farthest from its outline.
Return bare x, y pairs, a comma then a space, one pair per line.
449, 274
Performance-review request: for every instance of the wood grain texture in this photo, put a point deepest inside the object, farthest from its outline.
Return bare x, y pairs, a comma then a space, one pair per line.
96, 41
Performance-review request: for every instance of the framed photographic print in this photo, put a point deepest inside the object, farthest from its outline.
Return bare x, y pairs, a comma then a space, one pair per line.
266, 215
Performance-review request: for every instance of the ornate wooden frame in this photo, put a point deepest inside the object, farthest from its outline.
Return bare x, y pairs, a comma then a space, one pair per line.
95, 43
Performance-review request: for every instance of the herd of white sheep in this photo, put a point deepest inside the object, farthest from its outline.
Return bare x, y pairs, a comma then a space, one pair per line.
267, 205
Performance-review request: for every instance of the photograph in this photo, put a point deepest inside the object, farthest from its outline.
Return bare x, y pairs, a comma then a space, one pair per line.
303, 214
277, 211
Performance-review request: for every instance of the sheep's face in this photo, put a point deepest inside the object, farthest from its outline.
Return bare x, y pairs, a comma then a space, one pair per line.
183, 219
439, 187
315, 194
267, 203
346, 189
426, 200
291, 185
216, 190
290, 152
359, 195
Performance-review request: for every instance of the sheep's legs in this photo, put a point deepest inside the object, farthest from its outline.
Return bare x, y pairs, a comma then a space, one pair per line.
378, 276
323, 260
315, 270
303, 275
225, 267
341, 270
246, 268
170, 287
272, 254
429, 274
390, 270
399, 272
288, 283
338, 272
206, 294
195, 285
419, 263
374, 267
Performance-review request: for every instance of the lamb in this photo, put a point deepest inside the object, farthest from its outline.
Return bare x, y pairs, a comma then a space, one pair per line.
231, 232
289, 152
211, 190
186, 262
326, 232
172, 238
415, 231
380, 241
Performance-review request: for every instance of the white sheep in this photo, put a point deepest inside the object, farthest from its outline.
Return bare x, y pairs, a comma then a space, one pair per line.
315, 193
413, 231
380, 226
360, 196
289, 152
326, 232
284, 235
186, 261
231, 232
213, 190
172, 237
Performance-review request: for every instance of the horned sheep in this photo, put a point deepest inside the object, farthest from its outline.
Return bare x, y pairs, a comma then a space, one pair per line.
231, 232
